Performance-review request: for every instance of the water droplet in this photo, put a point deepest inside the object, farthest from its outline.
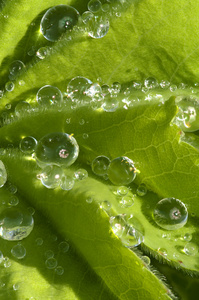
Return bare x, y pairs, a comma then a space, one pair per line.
57, 148
59, 270
146, 260
22, 108
51, 263
121, 171
16, 68
31, 210
39, 241
150, 83
58, 20
126, 201
67, 182
49, 95
85, 136
187, 237
115, 88
98, 26
1, 257
51, 176
118, 225
42, 52
63, 247
94, 5
141, 190
106, 205
191, 249
100, 165
110, 104
1, 94
28, 144
170, 214
7, 262
164, 84
81, 122
13, 200
16, 286
77, 88
80, 174
122, 190
87, 16
3, 174
49, 254
9, 86
15, 224
18, 251
8, 106
173, 88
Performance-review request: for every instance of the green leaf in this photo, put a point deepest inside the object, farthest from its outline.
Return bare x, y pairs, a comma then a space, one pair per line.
139, 44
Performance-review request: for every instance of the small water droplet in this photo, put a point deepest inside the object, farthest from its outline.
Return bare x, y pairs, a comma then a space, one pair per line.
162, 251
39, 241
18, 251
89, 200
67, 182
51, 176
58, 20
121, 171
126, 201
59, 270
94, 5
16, 286
49, 95
51, 263
22, 108
164, 84
3, 174
80, 174
98, 26
28, 144
110, 104
78, 87
100, 165
49, 254
42, 52
16, 68
150, 83
191, 249
146, 260
13, 200
173, 88
9, 86
170, 214
122, 190
141, 190
187, 237
63, 247
106, 205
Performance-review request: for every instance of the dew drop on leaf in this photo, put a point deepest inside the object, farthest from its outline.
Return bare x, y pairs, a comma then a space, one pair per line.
170, 214
87, 16
21, 108
122, 190
66, 182
3, 174
191, 249
57, 148
77, 88
146, 260
106, 205
42, 52
49, 254
51, 263
28, 144
49, 95
80, 174
98, 26
126, 201
9, 86
13, 200
141, 190
15, 224
15, 68
110, 104
100, 165
59, 270
58, 20
187, 237
18, 251
51, 176
94, 5
63, 247
121, 171
150, 83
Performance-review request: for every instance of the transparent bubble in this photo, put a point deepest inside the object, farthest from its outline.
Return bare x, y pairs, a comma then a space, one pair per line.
94, 5
21, 108
3, 174
187, 237
173, 88
13, 200
191, 249
87, 16
115, 88
39, 241
51, 263
16, 68
51, 176
106, 205
7, 262
18, 251
28, 144
105, 7
164, 84
110, 104
146, 260
151, 83
15, 224
49, 95
16, 287
141, 190
78, 87
170, 214
162, 251
121, 171
42, 52
85, 136
58, 20
100, 165
122, 190
105, 89
95, 92
59, 270
8, 106
64, 247
9, 86
98, 27
126, 201
57, 148
118, 225
67, 182
80, 174
49, 254
31, 210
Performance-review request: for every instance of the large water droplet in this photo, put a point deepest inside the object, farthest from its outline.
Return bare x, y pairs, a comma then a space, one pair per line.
49, 95
100, 165
3, 174
15, 224
121, 171
78, 87
18, 251
170, 214
57, 148
57, 21
28, 144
